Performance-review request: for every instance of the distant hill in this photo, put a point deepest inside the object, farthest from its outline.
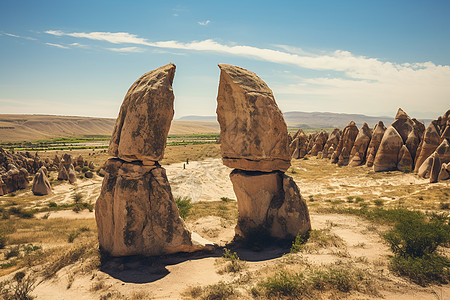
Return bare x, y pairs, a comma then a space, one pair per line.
198, 118
17, 128
298, 119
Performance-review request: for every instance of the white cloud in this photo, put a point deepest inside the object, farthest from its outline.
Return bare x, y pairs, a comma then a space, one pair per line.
204, 23
57, 45
358, 79
127, 49
112, 37
17, 36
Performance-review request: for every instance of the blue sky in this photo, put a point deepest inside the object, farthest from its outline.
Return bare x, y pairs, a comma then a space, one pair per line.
369, 57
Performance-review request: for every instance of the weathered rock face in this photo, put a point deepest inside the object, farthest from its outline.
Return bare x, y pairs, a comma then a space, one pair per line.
91, 165
298, 145
443, 151
431, 141
144, 119
72, 174
269, 203
3, 188
425, 169
342, 152
435, 169
403, 124
444, 172
62, 173
386, 158
41, 185
375, 142
80, 161
405, 161
360, 146
319, 142
412, 143
136, 213
253, 133
331, 144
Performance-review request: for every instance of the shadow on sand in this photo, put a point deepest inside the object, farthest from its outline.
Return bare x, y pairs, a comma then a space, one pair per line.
141, 269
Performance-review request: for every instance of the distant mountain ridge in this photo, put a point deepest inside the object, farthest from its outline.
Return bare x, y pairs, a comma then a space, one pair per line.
320, 119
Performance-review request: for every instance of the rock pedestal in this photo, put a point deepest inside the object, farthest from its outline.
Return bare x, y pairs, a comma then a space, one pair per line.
41, 185
135, 212
254, 141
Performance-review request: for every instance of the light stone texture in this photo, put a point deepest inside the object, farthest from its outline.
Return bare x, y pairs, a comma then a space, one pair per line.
137, 215
269, 203
386, 158
253, 133
144, 119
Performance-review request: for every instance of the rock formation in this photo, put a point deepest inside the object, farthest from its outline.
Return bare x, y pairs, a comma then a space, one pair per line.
341, 155
254, 141
359, 149
41, 185
319, 142
405, 160
331, 144
430, 142
62, 173
253, 132
135, 212
298, 145
72, 175
386, 158
375, 142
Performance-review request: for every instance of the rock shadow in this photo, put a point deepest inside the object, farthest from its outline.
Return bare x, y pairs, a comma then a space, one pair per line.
142, 269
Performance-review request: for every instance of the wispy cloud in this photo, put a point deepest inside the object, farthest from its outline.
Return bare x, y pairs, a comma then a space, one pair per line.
204, 23
111, 37
78, 45
17, 36
57, 45
127, 49
356, 77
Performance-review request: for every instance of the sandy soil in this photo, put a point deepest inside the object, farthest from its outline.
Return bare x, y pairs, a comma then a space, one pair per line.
206, 180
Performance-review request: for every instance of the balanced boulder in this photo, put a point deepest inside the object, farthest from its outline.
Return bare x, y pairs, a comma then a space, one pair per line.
253, 133
144, 119
135, 212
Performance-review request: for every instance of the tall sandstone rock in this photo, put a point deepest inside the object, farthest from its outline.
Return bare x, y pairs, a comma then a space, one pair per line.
253, 133
135, 212
386, 158
375, 142
431, 140
341, 155
254, 141
360, 146
332, 142
41, 185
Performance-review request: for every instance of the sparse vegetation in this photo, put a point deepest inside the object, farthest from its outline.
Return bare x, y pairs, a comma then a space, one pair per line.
184, 206
19, 288
233, 263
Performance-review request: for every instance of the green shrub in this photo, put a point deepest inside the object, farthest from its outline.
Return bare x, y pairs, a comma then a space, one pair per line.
359, 199
299, 241
378, 202
184, 206
53, 204
226, 199
77, 197
234, 264
422, 270
72, 237
13, 252
284, 284
219, 291
85, 169
444, 205
415, 236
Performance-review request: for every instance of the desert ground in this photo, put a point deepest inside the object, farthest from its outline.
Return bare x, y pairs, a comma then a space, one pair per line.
56, 247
